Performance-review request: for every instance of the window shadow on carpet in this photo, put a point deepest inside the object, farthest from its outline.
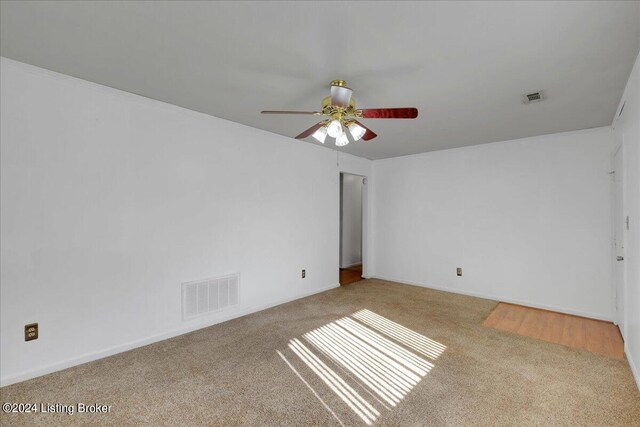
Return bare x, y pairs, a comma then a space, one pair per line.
363, 363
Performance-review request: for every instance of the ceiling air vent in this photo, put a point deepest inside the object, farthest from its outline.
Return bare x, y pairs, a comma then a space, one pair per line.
528, 98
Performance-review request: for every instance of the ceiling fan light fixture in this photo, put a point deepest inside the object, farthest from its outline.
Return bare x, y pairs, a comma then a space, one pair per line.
340, 117
356, 131
320, 135
342, 140
334, 129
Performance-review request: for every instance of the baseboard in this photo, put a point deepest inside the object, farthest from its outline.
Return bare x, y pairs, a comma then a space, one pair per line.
500, 298
90, 357
632, 365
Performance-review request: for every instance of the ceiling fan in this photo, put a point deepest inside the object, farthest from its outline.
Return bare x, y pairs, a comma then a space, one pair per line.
341, 122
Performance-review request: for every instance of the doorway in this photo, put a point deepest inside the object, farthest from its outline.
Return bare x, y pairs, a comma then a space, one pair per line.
351, 226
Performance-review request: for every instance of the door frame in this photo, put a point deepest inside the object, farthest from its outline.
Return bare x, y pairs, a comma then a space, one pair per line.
618, 210
364, 240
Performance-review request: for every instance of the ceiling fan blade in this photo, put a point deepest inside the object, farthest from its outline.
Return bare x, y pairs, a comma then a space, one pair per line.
369, 134
390, 113
340, 96
308, 113
310, 131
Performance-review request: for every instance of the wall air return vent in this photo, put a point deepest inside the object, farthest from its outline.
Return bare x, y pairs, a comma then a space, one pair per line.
529, 98
210, 295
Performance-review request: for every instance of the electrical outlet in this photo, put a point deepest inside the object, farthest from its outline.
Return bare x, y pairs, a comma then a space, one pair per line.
31, 332
304, 273
459, 271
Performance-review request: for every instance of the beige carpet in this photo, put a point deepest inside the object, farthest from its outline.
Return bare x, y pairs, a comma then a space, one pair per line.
371, 352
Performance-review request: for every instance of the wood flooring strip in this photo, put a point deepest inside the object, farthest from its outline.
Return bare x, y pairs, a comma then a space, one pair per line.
350, 274
591, 335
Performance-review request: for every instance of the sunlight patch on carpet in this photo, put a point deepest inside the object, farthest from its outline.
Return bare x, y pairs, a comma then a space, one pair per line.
376, 357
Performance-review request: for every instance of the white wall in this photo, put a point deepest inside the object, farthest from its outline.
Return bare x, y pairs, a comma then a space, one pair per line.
351, 252
111, 200
528, 220
627, 128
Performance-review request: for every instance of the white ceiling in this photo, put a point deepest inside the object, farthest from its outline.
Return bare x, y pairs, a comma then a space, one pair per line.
464, 65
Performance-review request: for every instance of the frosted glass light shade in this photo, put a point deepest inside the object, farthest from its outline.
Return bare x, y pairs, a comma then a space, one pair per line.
320, 135
334, 129
356, 131
342, 140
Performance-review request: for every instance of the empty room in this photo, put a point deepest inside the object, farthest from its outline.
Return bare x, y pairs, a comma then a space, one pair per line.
319, 213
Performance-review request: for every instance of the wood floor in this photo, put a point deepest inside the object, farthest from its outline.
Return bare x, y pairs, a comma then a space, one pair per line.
350, 274
578, 332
